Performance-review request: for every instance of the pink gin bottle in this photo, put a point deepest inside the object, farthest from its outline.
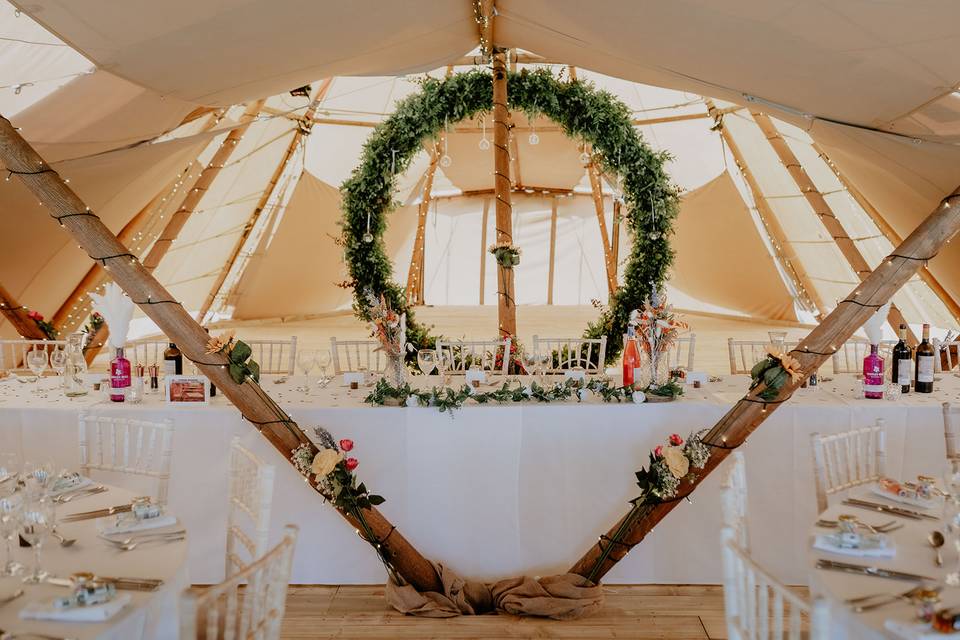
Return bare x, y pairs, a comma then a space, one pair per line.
873, 375
119, 375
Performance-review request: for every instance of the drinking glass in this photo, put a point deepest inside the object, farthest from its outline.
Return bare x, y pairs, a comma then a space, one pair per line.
530, 361
58, 360
323, 361
9, 471
951, 529
778, 338
38, 477
427, 361
11, 507
306, 361
37, 361
444, 365
36, 522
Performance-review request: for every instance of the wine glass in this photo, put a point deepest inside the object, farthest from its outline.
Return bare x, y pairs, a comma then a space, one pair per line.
444, 365
427, 361
9, 471
38, 477
778, 338
306, 361
11, 507
37, 361
323, 361
58, 360
37, 520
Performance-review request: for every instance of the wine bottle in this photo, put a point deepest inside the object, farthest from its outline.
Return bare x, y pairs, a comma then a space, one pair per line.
631, 357
925, 355
119, 376
213, 387
902, 361
873, 374
172, 361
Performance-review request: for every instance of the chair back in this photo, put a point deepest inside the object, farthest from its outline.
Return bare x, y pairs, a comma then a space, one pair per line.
849, 357
567, 353
746, 353
733, 499
146, 352
357, 355
948, 355
13, 353
681, 351
483, 353
275, 357
757, 605
849, 459
127, 446
951, 427
249, 498
225, 612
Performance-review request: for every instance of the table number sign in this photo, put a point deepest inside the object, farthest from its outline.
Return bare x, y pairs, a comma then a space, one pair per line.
187, 389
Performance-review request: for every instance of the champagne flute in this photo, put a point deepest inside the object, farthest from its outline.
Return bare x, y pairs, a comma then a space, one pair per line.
444, 364
11, 507
58, 360
37, 520
306, 361
323, 361
427, 361
37, 361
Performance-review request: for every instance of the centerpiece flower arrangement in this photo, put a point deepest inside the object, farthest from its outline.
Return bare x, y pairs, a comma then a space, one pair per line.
93, 325
48, 329
390, 330
657, 327
514, 362
506, 253
774, 371
670, 464
238, 352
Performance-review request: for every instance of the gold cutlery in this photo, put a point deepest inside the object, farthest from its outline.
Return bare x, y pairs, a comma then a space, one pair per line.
64, 498
882, 508
876, 572
97, 513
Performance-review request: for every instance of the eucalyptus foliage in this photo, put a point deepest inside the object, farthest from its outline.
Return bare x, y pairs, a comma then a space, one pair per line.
584, 113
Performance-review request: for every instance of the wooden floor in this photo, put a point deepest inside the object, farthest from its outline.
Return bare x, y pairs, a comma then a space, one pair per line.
668, 612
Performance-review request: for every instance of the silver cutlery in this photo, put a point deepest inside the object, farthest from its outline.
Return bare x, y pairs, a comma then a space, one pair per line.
936, 540
64, 498
876, 572
883, 508
883, 599
125, 584
134, 545
893, 525
64, 542
141, 536
13, 596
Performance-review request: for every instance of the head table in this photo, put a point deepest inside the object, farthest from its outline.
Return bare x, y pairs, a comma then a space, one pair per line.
500, 490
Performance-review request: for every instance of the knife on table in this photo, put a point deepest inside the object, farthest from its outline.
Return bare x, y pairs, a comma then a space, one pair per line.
896, 511
97, 513
877, 572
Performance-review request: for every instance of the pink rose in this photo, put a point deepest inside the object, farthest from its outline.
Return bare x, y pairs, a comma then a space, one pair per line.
351, 463
346, 445
676, 440
35, 315
658, 452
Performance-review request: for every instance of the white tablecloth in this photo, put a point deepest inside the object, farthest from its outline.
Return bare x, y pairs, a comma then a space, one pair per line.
150, 615
497, 491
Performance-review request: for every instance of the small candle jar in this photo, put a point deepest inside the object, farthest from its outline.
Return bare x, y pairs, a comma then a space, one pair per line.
928, 601
354, 385
696, 384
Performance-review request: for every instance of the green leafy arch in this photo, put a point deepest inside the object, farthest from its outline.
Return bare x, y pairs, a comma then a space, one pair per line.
596, 117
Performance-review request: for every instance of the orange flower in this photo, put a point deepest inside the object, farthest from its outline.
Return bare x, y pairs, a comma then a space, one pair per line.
216, 344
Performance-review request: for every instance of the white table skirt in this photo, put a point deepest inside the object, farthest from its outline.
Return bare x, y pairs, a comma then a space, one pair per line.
498, 491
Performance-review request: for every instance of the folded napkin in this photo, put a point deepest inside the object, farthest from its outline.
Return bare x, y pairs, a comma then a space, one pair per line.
827, 542
129, 526
95, 613
83, 483
917, 631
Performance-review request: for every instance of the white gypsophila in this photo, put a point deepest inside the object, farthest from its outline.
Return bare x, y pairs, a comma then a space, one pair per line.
302, 458
666, 484
696, 451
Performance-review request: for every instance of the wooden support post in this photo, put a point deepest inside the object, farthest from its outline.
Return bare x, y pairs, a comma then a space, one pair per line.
302, 130
484, 223
734, 428
553, 249
155, 301
417, 259
16, 315
615, 234
506, 308
783, 250
597, 189
891, 235
824, 212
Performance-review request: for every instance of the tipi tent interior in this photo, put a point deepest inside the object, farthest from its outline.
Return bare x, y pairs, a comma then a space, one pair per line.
806, 142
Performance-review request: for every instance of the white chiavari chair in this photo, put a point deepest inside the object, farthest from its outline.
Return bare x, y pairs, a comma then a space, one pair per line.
746, 353
850, 459
482, 353
249, 498
849, 357
680, 354
567, 353
13, 353
127, 446
733, 493
757, 606
226, 612
951, 427
146, 352
275, 357
356, 355
948, 355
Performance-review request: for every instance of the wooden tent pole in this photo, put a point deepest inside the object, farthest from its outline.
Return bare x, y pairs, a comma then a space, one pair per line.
302, 130
824, 212
506, 308
415, 273
778, 238
888, 231
596, 188
745, 416
551, 267
16, 315
136, 280
484, 222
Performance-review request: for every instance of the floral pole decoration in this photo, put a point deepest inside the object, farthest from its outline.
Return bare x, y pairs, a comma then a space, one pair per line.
48, 329
238, 352
91, 328
658, 328
331, 471
390, 330
670, 465
774, 371
507, 254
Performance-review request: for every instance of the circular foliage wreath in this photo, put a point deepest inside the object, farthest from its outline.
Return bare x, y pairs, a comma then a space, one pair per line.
596, 117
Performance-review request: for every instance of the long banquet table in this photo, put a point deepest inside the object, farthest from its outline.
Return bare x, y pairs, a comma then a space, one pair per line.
497, 491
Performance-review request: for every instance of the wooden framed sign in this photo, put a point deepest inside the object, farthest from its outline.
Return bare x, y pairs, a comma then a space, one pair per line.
187, 389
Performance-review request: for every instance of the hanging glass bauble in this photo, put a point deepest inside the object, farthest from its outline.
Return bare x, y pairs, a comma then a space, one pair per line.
368, 237
484, 144
446, 161
534, 139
